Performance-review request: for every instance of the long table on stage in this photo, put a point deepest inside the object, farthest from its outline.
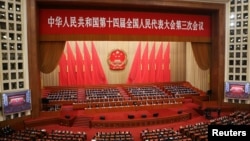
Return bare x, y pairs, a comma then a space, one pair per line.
140, 122
131, 108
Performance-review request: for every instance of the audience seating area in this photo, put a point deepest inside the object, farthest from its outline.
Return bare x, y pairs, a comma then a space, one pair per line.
179, 90
126, 97
163, 135
190, 132
33, 134
93, 94
120, 93
65, 136
197, 132
62, 95
144, 92
113, 136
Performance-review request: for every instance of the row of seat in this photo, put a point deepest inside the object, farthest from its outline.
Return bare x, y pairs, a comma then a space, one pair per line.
144, 91
179, 89
113, 136
162, 135
33, 134
96, 93
115, 93
63, 95
235, 118
197, 131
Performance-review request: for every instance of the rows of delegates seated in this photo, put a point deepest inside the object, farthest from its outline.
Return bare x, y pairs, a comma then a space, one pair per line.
30, 134
136, 96
145, 92
33, 134
113, 136
176, 89
102, 94
63, 135
154, 94
235, 118
63, 95
164, 134
197, 131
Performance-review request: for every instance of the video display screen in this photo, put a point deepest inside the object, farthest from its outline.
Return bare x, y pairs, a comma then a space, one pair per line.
237, 90
14, 102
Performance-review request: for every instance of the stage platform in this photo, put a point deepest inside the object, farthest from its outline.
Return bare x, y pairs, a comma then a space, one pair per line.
132, 118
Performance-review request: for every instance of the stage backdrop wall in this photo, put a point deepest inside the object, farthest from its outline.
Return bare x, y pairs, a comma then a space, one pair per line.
183, 66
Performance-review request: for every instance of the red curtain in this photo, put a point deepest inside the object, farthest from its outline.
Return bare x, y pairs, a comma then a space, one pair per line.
135, 71
98, 73
79, 64
71, 66
63, 73
152, 65
144, 65
158, 62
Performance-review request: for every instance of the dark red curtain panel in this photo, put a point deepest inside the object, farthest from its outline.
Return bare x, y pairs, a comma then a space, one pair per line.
144, 65
63, 73
135, 71
158, 65
98, 73
152, 65
80, 65
166, 73
71, 66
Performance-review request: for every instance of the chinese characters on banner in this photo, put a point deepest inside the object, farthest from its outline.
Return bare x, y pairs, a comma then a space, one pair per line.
54, 21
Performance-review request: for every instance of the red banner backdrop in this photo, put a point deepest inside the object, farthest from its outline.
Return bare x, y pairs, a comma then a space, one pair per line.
60, 21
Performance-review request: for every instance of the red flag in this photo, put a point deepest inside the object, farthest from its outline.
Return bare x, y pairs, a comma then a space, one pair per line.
135, 71
79, 64
144, 64
159, 63
63, 74
87, 66
99, 75
71, 66
166, 64
152, 65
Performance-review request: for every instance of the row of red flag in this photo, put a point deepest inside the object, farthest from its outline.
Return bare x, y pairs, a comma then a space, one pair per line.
81, 70
150, 69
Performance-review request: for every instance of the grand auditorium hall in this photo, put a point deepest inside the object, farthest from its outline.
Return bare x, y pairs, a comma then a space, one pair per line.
122, 70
